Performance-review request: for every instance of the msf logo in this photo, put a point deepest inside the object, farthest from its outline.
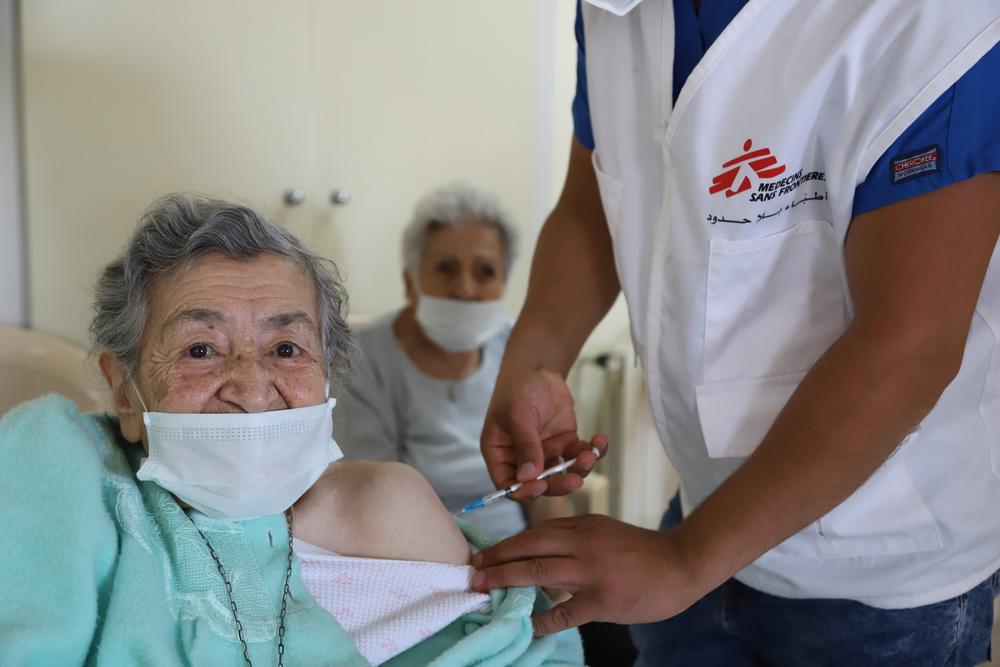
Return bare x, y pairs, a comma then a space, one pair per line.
740, 172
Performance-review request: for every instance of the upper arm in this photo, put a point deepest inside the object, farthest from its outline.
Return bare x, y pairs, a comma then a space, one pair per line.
577, 231
915, 268
922, 237
380, 510
955, 138
581, 196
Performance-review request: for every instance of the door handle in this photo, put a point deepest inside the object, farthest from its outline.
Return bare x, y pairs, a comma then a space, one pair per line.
294, 196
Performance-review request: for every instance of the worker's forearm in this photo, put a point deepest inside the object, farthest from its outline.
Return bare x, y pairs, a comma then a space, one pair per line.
573, 277
573, 285
849, 413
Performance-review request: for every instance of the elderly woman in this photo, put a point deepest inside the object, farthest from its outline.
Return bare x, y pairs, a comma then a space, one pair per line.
162, 534
421, 396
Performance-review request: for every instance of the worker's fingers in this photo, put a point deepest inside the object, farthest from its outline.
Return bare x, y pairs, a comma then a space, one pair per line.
560, 445
574, 612
601, 443
498, 453
564, 573
586, 459
585, 462
530, 491
527, 443
561, 485
586, 448
548, 538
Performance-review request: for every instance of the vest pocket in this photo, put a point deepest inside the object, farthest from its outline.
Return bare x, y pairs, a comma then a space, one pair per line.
774, 304
885, 515
736, 416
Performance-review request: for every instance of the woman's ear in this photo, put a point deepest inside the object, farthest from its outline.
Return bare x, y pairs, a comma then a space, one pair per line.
114, 373
411, 288
129, 413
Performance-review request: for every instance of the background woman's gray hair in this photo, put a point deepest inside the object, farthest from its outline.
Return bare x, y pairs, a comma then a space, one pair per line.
456, 204
178, 229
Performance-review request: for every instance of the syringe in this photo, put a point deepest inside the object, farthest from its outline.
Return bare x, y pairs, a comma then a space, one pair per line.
503, 493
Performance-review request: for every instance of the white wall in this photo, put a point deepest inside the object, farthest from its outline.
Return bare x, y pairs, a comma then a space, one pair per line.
13, 291
253, 98
115, 116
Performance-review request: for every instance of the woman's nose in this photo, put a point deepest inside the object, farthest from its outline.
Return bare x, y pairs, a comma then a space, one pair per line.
249, 385
465, 287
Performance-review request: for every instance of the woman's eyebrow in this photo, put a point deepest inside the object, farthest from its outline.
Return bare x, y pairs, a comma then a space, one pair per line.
198, 315
285, 320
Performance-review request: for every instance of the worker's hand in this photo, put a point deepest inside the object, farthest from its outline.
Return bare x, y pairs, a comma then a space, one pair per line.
530, 423
615, 572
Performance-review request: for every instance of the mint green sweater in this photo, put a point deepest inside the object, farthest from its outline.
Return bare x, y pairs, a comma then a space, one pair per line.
103, 569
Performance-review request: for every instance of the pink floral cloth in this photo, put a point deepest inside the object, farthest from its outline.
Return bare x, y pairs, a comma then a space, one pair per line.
387, 606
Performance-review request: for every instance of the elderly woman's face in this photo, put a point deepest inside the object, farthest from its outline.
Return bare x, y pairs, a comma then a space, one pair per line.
232, 336
464, 262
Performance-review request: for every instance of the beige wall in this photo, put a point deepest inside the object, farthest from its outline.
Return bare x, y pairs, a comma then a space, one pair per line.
125, 101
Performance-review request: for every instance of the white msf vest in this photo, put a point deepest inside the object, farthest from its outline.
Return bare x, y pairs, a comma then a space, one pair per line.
729, 214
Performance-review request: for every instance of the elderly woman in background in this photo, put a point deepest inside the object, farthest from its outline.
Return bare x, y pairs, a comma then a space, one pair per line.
162, 534
421, 397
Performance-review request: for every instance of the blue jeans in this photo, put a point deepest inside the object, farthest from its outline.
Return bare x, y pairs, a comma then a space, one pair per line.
736, 625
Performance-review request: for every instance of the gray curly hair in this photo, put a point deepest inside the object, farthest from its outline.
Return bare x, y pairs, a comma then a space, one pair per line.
178, 229
454, 205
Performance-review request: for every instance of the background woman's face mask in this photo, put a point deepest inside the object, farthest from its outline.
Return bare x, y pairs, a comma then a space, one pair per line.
239, 466
460, 326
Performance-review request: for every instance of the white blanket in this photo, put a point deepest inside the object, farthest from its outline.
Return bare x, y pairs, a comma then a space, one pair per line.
387, 606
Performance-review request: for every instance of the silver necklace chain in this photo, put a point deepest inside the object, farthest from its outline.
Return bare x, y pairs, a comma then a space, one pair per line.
232, 601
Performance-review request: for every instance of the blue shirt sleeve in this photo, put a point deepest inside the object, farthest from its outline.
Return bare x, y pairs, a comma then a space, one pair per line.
581, 104
957, 137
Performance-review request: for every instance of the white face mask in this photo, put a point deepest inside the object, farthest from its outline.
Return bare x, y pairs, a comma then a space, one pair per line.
460, 326
239, 466
616, 7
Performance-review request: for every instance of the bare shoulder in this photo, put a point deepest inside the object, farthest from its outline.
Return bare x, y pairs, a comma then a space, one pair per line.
379, 510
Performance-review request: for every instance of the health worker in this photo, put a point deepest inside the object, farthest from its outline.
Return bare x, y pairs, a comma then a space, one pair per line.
798, 201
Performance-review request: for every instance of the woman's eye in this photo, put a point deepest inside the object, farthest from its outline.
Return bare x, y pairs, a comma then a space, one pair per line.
199, 351
487, 272
286, 350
